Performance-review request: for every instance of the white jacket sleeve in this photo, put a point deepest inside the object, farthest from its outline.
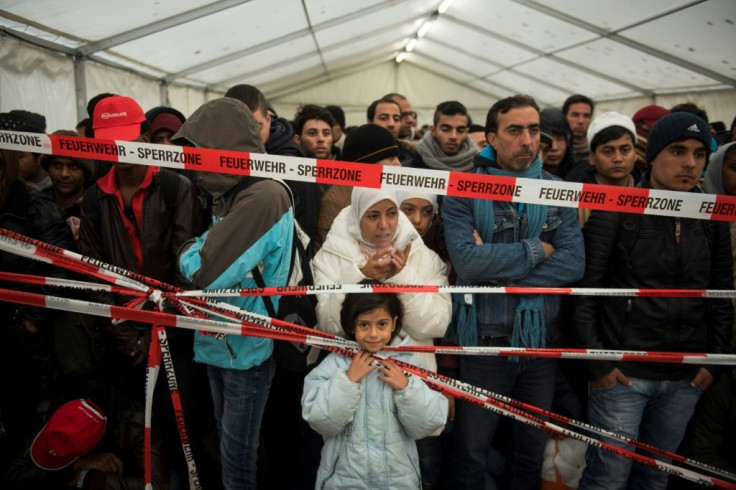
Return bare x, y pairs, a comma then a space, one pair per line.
330, 399
330, 269
426, 315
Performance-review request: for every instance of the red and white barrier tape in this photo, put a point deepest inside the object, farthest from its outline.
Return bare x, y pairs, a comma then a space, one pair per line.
152, 369
459, 184
401, 288
335, 344
450, 386
163, 341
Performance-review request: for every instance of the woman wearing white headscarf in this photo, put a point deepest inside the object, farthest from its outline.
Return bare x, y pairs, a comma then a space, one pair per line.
372, 239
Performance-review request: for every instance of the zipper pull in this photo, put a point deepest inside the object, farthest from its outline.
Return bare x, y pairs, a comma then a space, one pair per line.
677, 231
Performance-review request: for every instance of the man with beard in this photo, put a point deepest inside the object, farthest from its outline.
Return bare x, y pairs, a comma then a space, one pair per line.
447, 145
508, 244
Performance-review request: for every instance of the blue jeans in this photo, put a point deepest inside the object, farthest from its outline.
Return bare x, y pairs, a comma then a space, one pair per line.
529, 380
239, 398
654, 412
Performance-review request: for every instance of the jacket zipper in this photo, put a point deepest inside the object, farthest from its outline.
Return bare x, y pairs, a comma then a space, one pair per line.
334, 468
678, 231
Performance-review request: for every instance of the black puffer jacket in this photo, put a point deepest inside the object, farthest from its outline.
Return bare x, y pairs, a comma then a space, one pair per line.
660, 252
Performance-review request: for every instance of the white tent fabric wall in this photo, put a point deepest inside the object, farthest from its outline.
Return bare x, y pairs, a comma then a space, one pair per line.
184, 52
39, 81
102, 78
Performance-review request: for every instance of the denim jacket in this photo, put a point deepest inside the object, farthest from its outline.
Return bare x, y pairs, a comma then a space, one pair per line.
512, 261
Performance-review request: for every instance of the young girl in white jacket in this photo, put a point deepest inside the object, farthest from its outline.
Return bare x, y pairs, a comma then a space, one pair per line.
370, 416
372, 240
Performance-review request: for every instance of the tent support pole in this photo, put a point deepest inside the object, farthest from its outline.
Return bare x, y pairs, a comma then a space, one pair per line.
80, 86
163, 92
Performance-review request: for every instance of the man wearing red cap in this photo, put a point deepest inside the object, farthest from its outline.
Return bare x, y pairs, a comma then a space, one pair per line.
164, 122
644, 119
137, 217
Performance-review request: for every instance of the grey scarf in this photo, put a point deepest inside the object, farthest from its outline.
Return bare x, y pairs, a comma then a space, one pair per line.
435, 158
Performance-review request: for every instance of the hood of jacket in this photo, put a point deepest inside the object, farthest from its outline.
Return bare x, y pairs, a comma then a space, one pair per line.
222, 124
713, 178
279, 139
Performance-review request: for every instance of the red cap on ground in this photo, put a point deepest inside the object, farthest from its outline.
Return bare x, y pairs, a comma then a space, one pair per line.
73, 430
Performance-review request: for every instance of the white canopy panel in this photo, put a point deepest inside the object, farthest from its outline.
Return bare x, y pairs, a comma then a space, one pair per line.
623, 50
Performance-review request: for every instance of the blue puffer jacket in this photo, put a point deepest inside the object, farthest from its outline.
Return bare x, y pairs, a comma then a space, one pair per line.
369, 428
511, 260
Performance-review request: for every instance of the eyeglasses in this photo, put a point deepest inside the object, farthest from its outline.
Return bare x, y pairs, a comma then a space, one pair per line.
408, 113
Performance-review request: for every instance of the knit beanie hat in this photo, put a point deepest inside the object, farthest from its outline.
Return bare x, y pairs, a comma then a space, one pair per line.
370, 143
677, 126
649, 115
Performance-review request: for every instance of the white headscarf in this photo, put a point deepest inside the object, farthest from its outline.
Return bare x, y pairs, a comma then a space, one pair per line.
430, 198
361, 201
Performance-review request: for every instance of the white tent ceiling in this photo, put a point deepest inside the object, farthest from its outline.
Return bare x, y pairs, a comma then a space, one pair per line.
488, 48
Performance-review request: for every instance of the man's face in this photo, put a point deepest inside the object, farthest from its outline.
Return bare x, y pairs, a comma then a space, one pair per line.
316, 138
678, 166
67, 176
517, 138
264, 123
479, 138
557, 150
728, 173
408, 118
449, 133
28, 165
614, 160
388, 116
578, 117
162, 137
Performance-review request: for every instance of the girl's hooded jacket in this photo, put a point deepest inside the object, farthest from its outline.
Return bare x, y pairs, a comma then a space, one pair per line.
369, 428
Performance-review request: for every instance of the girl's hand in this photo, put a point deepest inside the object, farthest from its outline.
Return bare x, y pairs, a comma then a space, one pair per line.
477, 238
379, 266
360, 367
393, 375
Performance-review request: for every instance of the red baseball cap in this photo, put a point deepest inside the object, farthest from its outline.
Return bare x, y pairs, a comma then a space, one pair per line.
73, 430
118, 118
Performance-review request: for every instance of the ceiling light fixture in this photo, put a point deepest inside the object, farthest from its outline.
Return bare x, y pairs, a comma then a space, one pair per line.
424, 29
444, 6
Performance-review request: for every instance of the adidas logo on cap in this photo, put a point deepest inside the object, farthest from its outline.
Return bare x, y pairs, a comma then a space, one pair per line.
694, 127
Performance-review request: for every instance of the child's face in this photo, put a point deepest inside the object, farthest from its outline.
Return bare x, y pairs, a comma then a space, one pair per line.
373, 329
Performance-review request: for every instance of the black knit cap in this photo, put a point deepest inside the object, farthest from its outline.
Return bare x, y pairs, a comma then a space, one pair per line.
369, 143
19, 120
676, 126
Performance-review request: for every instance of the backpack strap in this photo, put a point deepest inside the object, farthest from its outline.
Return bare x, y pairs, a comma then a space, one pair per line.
91, 206
169, 182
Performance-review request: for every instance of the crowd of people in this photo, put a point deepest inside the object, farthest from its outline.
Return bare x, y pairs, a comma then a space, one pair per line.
73, 386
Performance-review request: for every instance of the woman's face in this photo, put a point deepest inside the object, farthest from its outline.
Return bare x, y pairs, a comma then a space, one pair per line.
378, 224
420, 212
